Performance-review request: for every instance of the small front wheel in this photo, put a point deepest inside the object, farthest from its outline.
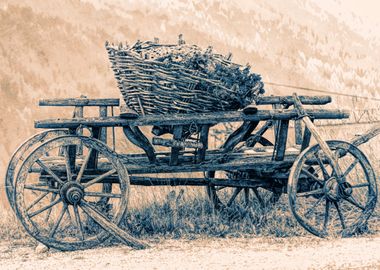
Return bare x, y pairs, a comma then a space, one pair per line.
325, 203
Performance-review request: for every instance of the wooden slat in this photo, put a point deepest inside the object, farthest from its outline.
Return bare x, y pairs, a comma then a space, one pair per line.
186, 119
201, 153
298, 132
79, 102
281, 139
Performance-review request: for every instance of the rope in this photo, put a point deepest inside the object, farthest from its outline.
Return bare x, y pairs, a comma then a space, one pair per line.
321, 91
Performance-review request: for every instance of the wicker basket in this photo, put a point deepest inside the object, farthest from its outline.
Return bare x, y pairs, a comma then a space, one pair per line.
164, 79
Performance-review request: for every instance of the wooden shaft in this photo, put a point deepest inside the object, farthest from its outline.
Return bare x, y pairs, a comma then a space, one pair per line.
314, 131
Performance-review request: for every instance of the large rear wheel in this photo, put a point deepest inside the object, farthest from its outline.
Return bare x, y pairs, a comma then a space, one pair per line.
57, 198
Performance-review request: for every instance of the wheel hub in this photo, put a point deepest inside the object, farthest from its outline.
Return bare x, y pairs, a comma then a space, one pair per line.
331, 189
335, 191
72, 192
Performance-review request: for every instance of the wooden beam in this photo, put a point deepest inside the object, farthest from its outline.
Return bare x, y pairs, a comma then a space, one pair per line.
288, 100
187, 119
62, 102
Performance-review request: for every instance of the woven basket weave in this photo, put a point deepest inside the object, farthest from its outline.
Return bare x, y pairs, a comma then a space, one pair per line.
157, 79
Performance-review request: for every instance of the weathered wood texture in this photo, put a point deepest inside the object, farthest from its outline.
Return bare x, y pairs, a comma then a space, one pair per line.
288, 100
304, 115
265, 100
176, 143
281, 140
368, 135
79, 102
260, 163
187, 119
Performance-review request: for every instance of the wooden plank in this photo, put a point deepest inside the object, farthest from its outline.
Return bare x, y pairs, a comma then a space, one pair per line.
262, 164
281, 140
187, 119
177, 135
79, 102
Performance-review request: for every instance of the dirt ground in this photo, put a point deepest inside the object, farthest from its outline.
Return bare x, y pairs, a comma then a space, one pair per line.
235, 253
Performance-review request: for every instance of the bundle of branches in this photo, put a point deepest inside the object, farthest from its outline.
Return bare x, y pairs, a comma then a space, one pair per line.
162, 79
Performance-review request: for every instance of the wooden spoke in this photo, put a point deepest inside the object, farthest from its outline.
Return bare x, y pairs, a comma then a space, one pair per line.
327, 213
78, 221
322, 166
315, 178
53, 196
349, 169
360, 185
112, 228
312, 208
353, 201
233, 197
56, 224
340, 214
101, 194
312, 192
33, 187
84, 165
67, 163
36, 201
47, 169
99, 178
44, 208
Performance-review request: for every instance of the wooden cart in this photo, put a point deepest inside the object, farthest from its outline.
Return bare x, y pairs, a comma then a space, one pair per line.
70, 190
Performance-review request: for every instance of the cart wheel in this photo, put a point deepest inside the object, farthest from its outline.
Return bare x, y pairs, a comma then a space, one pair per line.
21, 153
51, 193
223, 197
322, 205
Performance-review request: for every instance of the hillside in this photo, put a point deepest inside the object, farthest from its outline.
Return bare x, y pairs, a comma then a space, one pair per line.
56, 49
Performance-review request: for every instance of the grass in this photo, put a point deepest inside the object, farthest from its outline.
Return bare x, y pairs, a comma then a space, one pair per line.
190, 218
163, 212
